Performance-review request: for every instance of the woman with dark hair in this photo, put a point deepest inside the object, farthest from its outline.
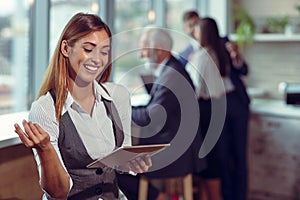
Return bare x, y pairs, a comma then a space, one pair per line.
209, 70
79, 116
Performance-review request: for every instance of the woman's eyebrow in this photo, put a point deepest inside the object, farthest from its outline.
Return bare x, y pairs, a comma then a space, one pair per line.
106, 46
90, 43
93, 44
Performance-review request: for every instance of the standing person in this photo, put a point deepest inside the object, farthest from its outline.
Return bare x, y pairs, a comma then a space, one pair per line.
190, 18
209, 70
79, 117
234, 140
238, 111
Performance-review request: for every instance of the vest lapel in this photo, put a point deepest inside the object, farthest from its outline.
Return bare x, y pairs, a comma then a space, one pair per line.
113, 114
115, 118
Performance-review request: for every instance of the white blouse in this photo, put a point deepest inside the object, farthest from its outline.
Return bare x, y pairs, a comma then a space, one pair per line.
203, 70
95, 131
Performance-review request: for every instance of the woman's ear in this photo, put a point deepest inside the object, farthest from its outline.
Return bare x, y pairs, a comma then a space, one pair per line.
64, 48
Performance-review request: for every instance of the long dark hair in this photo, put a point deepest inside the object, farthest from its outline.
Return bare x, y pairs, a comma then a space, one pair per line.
209, 37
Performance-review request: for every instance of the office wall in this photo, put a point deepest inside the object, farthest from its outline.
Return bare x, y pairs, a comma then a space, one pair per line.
271, 63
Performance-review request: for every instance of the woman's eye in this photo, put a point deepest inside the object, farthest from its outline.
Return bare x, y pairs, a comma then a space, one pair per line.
104, 53
87, 50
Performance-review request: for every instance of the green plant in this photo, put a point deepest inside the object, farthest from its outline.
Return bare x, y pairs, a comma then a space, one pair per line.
245, 26
297, 7
277, 24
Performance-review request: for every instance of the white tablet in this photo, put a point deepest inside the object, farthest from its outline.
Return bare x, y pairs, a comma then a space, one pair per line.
124, 154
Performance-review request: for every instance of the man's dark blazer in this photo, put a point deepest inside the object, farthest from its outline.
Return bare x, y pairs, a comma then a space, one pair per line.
172, 96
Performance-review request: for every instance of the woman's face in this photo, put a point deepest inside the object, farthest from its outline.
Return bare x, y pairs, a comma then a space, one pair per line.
88, 57
197, 34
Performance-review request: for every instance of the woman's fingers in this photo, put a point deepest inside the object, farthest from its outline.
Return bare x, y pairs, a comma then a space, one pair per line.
44, 136
135, 166
141, 164
24, 138
28, 130
148, 160
138, 165
34, 135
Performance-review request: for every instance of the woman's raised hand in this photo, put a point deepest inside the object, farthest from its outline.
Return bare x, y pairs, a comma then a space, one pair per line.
33, 136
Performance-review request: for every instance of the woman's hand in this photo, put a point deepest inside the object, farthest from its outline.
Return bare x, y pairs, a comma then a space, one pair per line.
234, 53
34, 136
54, 178
140, 164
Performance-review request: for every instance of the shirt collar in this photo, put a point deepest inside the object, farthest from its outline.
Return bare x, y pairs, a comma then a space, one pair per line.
68, 103
99, 94
160, 67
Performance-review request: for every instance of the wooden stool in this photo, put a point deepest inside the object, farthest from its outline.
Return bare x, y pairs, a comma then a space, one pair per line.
187, 181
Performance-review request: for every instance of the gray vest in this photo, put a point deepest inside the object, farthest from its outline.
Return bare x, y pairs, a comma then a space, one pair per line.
88, 184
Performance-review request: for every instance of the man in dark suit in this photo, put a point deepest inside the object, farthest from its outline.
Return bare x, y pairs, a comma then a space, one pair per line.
172, 113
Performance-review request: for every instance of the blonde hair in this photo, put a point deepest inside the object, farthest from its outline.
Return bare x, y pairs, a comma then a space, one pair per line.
56, 76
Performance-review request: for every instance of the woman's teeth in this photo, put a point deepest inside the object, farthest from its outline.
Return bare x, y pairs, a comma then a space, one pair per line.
91, 68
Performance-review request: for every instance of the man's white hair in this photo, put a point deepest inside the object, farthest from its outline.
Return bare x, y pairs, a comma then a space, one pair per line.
158, 37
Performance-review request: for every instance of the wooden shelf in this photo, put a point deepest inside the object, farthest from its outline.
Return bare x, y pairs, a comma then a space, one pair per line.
272, 37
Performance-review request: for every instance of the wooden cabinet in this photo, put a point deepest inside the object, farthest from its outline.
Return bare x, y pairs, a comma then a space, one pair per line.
274, 158
18, 174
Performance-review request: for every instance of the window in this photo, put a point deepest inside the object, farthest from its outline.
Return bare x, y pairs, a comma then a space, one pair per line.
61, 12
175, 11
130, 17
14, 54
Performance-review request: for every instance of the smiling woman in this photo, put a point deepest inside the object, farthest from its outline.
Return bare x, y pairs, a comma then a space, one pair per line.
79, 117
88, 57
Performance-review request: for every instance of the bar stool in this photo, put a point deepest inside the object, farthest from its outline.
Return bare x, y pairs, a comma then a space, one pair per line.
187, 182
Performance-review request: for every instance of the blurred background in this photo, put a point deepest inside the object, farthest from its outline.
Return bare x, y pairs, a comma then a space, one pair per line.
267, 31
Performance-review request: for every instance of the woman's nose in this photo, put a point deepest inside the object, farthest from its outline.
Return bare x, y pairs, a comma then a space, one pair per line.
97, 58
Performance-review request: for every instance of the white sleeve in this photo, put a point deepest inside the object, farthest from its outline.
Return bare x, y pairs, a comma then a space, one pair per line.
205, 75
43, 114
196, 69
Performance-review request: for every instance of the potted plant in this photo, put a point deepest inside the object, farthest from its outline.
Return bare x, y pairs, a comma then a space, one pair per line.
245, 26
297, 24
277, 24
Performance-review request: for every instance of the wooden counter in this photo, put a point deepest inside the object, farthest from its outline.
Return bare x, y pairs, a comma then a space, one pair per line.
274, 151
19, 175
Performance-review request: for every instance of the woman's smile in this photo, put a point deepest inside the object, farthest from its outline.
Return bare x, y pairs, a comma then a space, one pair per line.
89, 56
91, 68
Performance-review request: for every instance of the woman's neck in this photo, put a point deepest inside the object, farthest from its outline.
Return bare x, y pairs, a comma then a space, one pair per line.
83, 95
